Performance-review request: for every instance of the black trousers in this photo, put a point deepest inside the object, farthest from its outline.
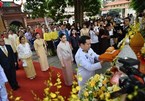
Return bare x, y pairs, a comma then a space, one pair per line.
95, 47
51, 47
16, 57
11, 76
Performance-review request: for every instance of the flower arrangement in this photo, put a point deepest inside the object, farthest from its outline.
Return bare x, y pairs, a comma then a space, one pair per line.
55, 95
131, 32
98, 87
48, 94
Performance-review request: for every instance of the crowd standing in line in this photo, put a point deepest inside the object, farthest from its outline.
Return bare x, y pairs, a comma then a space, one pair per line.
83, 45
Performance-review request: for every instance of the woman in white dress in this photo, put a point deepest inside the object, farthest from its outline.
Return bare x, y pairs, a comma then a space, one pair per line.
25, 54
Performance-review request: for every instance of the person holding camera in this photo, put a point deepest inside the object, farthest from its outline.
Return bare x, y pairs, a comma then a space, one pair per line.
124, 30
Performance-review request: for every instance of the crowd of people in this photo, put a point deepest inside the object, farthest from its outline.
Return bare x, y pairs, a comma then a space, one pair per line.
71, 43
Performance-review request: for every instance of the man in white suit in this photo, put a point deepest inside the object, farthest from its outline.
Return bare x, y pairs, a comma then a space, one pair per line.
87, 61
3, 91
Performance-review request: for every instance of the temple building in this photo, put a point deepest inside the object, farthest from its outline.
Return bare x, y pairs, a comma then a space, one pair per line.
10, 13
124, 5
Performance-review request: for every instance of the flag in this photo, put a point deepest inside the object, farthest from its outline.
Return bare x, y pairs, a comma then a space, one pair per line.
19, 2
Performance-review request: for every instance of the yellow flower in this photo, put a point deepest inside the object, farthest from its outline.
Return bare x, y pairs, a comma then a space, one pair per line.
46, 99
11, 97
103, 88
57, 92
60, 98
50, 84
100, 91
74, 90
56, 99
48, 81
78, 88
74, 96
107, 95
96, 77
130, 96
58, 80
17, 98
131, 36
135, 93
116, 88
95, 94
104, 82
102, 96
80, 78
59, 86
92, 83
53, 95
46, 91
75, 83
86, 94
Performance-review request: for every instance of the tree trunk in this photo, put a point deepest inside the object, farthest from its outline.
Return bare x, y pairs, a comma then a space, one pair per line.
78, 11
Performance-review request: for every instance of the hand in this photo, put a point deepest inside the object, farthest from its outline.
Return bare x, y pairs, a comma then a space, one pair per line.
119, 31
101, 62
63, 67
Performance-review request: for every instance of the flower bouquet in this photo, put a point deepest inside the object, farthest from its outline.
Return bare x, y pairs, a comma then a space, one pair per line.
99, 88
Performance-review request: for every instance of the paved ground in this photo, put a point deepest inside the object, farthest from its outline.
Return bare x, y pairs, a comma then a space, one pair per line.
54, 61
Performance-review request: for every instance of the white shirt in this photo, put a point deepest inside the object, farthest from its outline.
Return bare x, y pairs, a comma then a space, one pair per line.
24, 51
111, 39
86, 65
2, 48
93, 36
3, 77
96, 29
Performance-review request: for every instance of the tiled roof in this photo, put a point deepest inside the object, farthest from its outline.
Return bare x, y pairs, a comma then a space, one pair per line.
104, 9
118, 2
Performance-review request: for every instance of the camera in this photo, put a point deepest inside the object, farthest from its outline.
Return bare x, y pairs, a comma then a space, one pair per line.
133, 77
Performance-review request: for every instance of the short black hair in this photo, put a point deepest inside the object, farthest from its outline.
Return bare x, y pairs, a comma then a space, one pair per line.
61, 35
20, 38
82, 39
127, 18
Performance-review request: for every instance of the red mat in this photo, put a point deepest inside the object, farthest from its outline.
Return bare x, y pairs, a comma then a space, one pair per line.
37, 85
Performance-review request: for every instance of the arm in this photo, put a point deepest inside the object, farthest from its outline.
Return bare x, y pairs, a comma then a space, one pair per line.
70, 48
59, 54
82, 63
36, 48
12, 53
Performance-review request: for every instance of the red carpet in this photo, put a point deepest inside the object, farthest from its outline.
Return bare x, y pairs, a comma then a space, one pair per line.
37, 85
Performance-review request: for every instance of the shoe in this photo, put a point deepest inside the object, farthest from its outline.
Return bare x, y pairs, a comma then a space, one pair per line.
32, 78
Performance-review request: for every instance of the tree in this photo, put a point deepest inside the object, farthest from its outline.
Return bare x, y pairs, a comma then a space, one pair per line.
138, 5
55, 8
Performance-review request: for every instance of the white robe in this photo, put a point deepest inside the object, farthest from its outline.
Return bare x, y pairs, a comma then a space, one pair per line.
86, 65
